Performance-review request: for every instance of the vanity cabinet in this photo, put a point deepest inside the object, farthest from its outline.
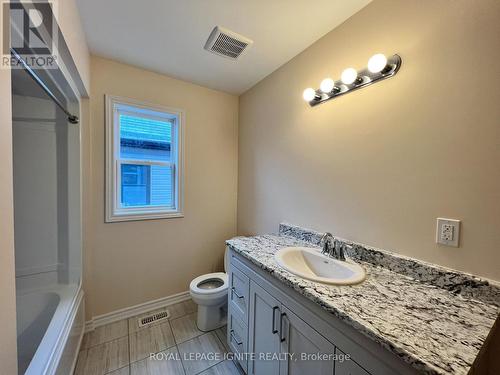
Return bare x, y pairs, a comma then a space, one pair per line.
238, 339
348, 367
282, 343
286, 334
305, 350
263, 331
238, 293
237, 322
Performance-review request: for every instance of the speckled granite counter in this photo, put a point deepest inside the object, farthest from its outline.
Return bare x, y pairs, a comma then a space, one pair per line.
433, 318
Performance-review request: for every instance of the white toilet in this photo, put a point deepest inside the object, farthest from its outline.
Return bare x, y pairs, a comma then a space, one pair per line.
209, 292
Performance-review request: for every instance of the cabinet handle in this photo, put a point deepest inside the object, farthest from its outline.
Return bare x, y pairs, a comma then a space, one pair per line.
282, 338
234, 338
236, 293
274, 331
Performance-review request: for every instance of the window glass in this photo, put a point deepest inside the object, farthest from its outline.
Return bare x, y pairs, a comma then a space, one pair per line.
145, 139
162, 189
136, 185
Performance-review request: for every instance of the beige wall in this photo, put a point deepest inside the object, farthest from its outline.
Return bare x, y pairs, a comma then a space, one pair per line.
133, 262
8, 335
379, 165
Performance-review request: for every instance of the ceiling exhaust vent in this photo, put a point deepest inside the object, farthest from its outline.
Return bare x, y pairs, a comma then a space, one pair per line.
224, 42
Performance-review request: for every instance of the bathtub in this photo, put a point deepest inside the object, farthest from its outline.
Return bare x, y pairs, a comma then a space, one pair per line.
50, 324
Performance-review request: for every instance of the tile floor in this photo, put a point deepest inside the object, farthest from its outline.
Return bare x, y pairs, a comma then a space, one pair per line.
122, 348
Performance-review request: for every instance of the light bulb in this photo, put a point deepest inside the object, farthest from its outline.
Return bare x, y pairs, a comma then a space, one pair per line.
377, 63
349, 75
309, 94
327, 85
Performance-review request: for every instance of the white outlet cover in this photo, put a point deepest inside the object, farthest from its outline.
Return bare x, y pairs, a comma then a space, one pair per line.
447, 231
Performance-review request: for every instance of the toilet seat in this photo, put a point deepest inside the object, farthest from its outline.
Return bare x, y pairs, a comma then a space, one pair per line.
197, 289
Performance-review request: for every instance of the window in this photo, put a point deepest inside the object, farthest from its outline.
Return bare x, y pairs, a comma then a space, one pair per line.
144, 160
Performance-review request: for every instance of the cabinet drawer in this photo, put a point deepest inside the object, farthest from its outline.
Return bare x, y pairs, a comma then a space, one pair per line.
239, 286
237, 332
348, 367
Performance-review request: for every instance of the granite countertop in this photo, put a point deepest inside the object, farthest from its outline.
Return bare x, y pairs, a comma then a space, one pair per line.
433, 318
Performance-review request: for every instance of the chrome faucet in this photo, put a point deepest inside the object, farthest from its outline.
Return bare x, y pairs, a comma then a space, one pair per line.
332, 247
327, 243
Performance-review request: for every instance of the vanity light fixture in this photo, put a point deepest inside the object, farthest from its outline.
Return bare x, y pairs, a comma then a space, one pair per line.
379, 67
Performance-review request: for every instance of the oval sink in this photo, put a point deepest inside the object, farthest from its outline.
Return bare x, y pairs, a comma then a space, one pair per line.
310, 264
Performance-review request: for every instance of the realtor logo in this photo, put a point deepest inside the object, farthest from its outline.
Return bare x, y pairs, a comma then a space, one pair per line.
29, 35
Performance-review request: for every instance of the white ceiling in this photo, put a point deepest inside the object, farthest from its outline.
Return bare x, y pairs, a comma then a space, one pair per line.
167, 36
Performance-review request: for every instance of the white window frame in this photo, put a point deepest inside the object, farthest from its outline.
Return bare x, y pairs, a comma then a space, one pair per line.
114, 211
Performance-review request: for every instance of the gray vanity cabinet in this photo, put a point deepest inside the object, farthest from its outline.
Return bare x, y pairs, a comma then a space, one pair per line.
237, 322
263, 332
348, 367
283, 343
302, 346
286, 334
238, 293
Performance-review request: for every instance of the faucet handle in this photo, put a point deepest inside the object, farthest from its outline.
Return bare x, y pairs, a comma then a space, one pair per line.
327, 237
326, 242
339, 249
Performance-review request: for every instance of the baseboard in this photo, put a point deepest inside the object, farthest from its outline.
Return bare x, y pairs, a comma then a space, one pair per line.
131, 311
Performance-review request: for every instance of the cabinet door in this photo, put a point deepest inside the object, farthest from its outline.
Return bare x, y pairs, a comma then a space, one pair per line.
304, 350
263, 332
348, 366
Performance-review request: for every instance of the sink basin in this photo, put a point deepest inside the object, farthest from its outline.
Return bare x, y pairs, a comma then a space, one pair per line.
310, 264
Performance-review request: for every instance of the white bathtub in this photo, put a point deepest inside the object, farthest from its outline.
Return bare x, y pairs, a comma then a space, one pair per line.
49, 329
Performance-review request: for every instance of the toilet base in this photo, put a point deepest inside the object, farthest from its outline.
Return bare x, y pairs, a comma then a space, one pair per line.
211, 317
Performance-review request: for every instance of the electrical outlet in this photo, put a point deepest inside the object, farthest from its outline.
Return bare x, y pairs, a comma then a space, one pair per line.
447, 232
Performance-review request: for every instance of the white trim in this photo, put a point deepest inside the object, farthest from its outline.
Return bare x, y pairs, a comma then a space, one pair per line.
64, 335
113, 212
48, 354
80, 339
131, 311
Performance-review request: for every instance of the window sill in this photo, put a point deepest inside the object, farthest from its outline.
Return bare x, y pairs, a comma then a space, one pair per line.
143, 216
